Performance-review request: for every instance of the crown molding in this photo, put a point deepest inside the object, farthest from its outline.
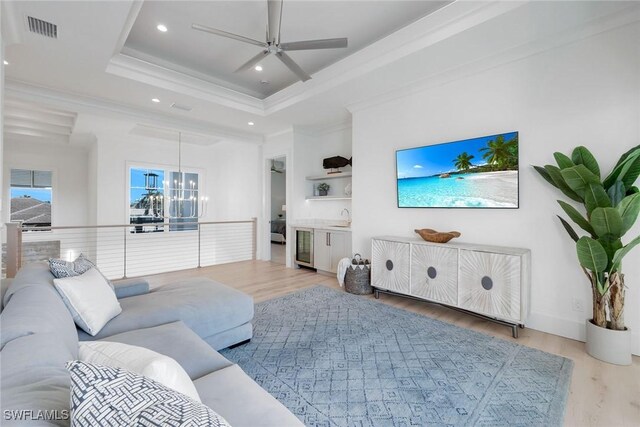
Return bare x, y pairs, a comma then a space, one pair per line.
431, 29
326, 129
136, 6
85, 104
427, 31
145, 72
285, 131
599, 25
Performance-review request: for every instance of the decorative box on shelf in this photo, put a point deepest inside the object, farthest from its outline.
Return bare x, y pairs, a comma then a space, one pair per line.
488, 281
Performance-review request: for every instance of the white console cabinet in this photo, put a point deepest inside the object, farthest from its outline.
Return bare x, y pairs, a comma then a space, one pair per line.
490, 281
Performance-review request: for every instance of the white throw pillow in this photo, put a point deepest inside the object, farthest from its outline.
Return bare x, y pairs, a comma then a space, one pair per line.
139, 360
90, 300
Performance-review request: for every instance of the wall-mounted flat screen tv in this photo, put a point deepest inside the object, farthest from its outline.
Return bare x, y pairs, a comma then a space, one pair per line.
474, 173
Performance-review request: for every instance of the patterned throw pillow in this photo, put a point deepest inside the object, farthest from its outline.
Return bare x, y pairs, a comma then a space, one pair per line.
61, 268
102, 395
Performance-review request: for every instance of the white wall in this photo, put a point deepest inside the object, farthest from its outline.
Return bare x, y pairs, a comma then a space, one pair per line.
228, 170
585, 93
309, 151
68, 163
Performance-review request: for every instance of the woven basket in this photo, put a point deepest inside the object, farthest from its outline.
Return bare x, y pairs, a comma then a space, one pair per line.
357, 279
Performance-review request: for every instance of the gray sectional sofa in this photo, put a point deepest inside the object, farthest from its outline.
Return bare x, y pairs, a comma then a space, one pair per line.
187, 320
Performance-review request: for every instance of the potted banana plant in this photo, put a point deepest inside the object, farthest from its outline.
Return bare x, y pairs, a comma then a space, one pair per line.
610, 207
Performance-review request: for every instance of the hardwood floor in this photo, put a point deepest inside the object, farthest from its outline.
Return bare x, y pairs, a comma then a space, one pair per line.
600, 394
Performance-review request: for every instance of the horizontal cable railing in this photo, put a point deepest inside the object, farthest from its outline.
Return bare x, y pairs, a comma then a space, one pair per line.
131, 250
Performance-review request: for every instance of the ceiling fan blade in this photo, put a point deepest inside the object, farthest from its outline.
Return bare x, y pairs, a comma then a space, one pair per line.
252, 62
286, 60
217, 32
315, 44
274, 16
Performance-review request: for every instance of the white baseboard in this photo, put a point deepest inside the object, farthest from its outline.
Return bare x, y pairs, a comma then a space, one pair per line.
570, 329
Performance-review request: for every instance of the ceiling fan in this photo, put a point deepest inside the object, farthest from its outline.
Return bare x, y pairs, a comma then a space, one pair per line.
273, 43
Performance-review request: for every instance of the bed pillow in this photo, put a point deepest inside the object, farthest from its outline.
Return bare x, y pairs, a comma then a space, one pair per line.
139, 360
101, 395
90, 300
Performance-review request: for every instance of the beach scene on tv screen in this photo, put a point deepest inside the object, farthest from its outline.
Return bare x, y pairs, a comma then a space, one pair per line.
474, 173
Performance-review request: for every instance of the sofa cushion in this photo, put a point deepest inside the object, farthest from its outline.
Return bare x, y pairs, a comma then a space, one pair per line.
225, 389
90, 300
130, 287
139, 360
102, 395
32, 274
34, 378
205, 306
37, 309
180, 343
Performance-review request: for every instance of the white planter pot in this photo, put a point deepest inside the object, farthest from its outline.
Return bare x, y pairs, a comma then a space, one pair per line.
608, 345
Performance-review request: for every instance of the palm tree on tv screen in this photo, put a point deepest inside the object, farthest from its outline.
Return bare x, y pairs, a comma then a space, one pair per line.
501, 154
463, 161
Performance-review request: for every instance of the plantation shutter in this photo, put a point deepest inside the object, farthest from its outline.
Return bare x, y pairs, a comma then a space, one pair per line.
30, 178
42, 179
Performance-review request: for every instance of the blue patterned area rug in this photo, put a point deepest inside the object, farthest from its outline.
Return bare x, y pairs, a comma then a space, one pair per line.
336, 359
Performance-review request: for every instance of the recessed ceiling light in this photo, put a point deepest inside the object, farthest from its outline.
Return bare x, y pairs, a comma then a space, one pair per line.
264, 82
6, 62
258, 68
155, 100
251, 123
162, 28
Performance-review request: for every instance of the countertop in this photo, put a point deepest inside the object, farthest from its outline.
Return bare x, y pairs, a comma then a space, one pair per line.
321, 224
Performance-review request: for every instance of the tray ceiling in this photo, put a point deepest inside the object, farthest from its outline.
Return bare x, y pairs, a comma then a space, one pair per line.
215, 58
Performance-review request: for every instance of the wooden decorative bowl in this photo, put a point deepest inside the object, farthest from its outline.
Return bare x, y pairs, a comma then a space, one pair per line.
436, 236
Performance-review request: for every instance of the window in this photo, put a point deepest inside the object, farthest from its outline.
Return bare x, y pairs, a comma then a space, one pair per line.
158, 197
146, 199
30, 192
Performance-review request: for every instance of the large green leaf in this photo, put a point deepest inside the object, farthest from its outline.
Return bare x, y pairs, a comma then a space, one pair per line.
591, 254
543, 172
595, 197
621, 253
578, 178
569, 229
610, 245
607, 222
616, 193
559, 182
577, 217
626, 169
582, 156
630, 171
563, 161
629, 209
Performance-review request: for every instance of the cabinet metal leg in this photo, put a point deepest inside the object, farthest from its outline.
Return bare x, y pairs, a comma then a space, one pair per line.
376, 294
514, 331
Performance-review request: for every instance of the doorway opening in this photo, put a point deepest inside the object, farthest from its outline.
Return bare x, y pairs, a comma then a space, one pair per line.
278, 214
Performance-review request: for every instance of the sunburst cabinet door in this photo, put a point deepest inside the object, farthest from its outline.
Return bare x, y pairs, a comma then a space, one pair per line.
390, 266
490, 284
434, 273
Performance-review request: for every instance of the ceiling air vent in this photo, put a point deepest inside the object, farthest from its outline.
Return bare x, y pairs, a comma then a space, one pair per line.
181, 107
43, 28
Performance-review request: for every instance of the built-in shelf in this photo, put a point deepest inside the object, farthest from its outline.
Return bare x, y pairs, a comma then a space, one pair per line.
328, 198
332, 176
